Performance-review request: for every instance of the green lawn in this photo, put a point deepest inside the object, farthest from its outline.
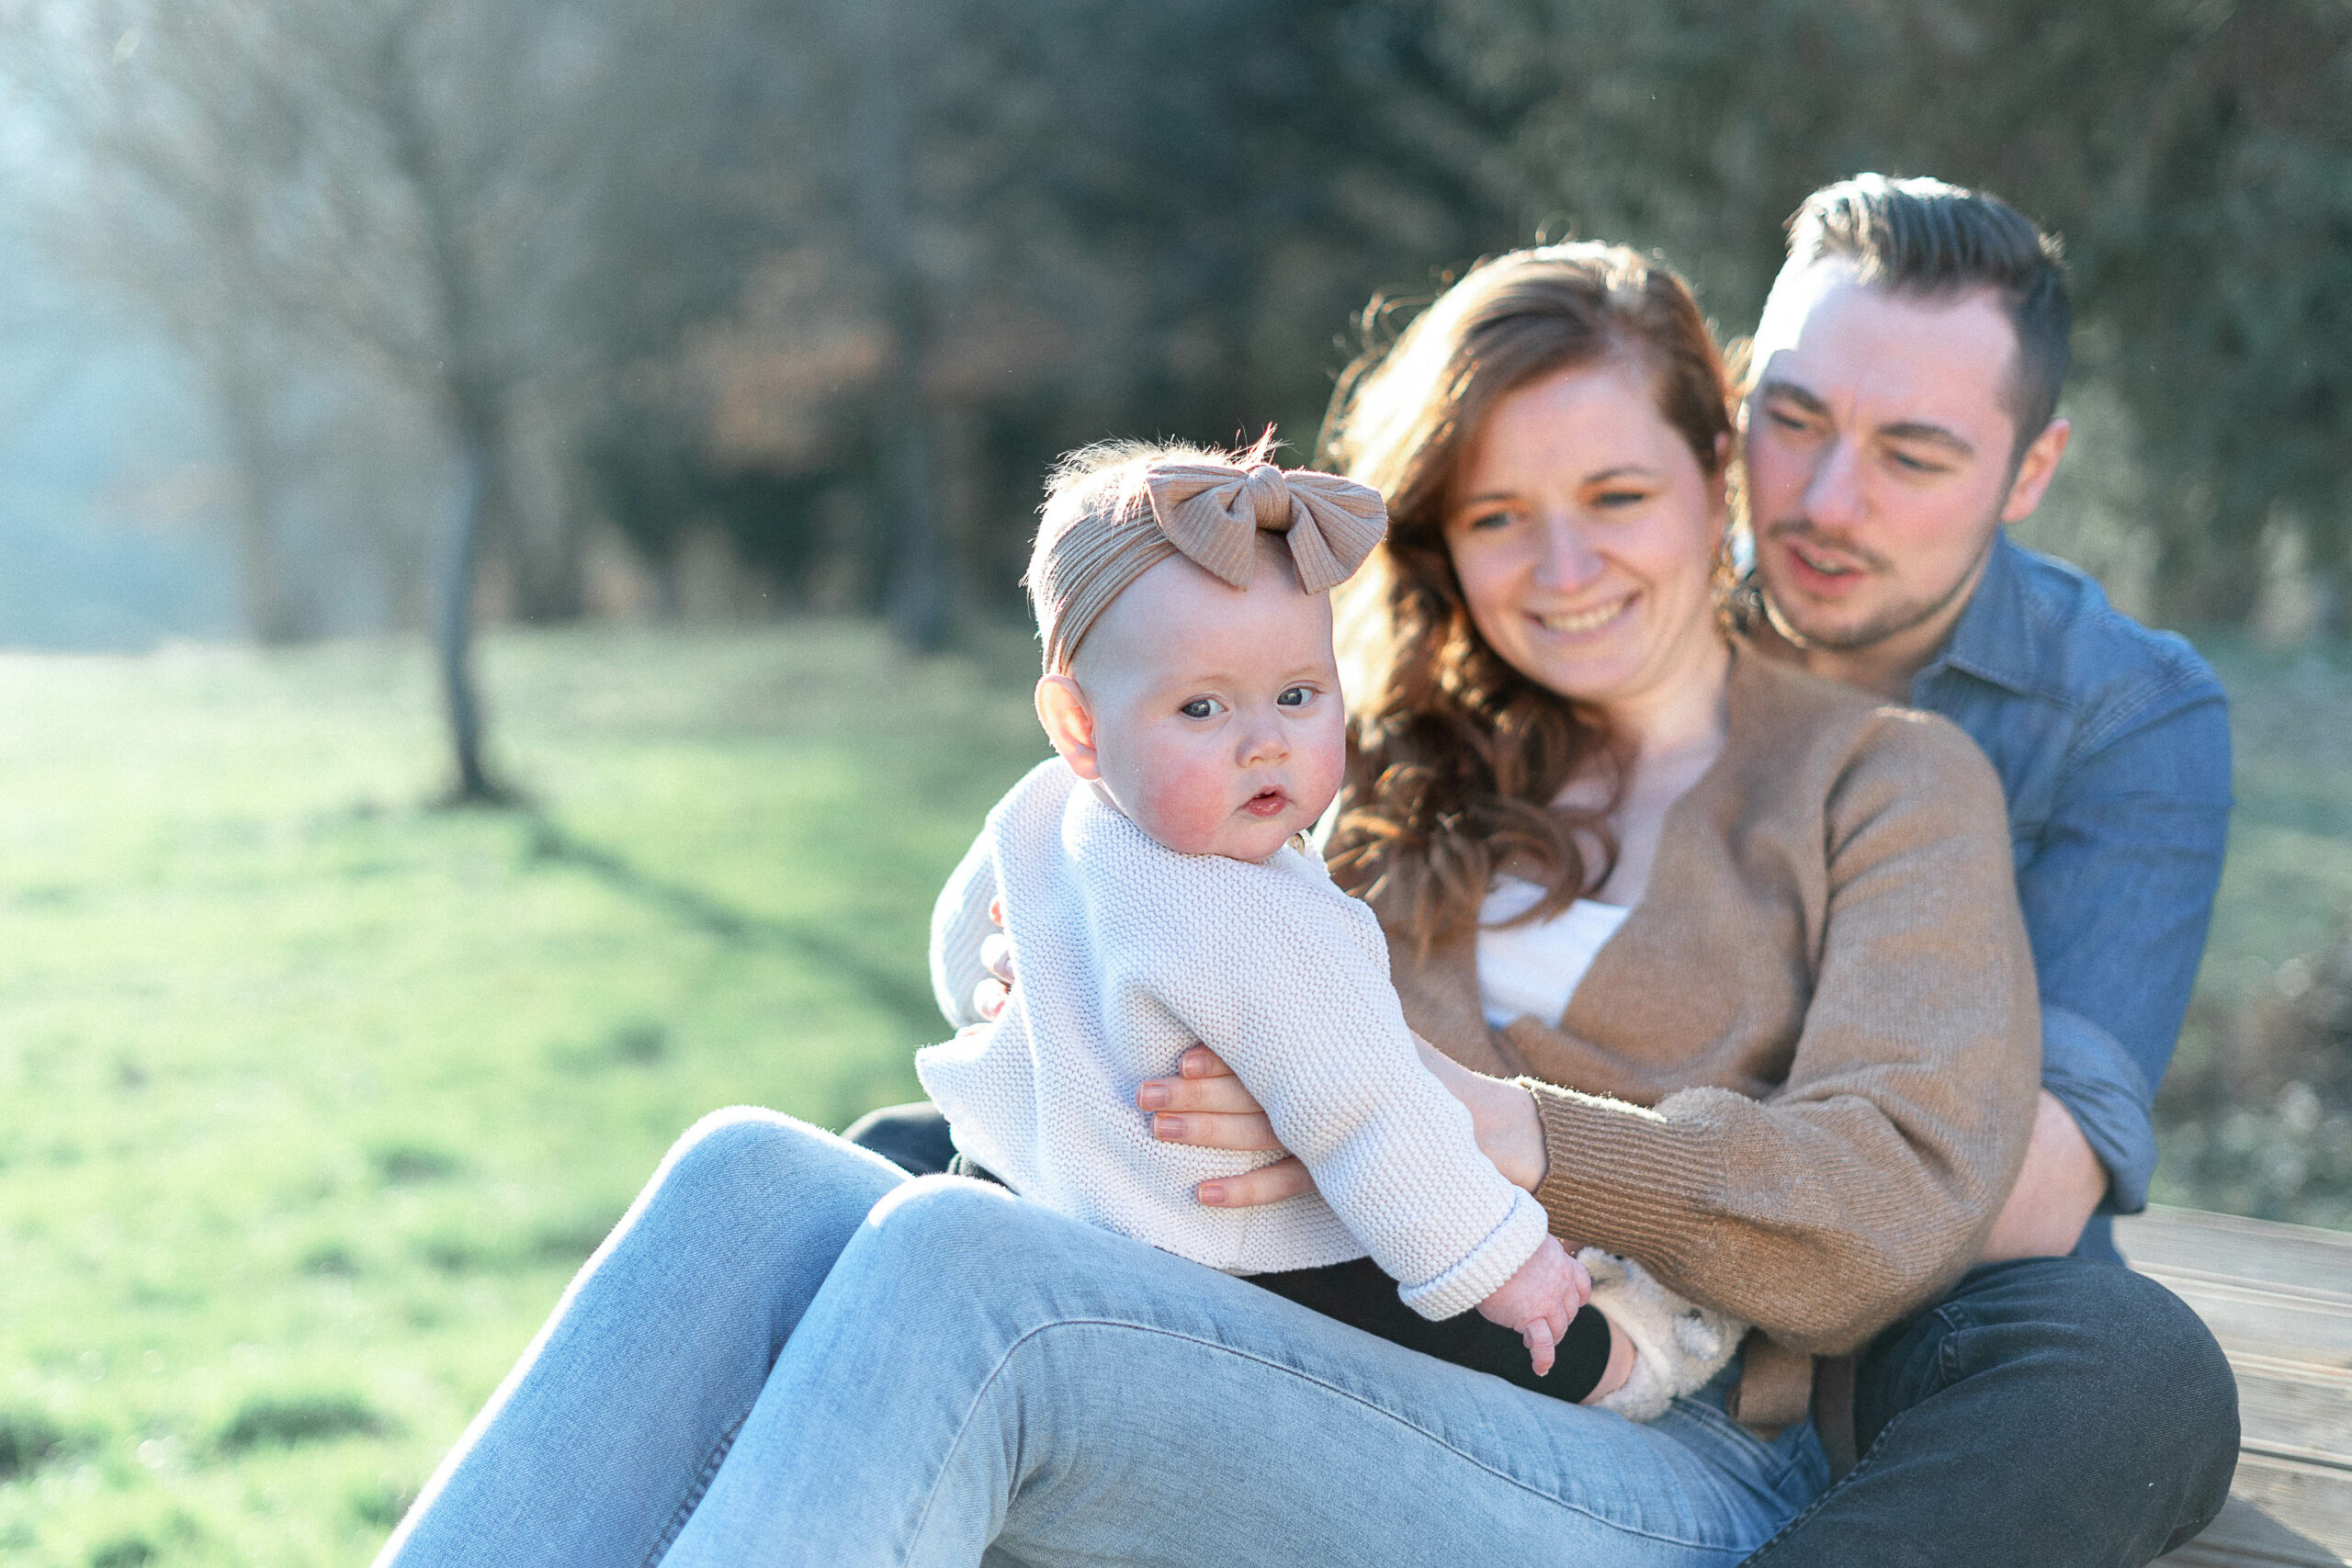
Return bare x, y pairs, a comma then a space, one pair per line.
311, 1097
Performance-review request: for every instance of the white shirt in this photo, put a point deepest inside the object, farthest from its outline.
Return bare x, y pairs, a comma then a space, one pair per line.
1531, 971
1129, 954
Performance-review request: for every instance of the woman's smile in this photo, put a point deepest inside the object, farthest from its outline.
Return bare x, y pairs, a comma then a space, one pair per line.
1583, 622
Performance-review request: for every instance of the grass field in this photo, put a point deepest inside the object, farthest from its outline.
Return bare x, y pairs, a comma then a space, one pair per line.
313, 1097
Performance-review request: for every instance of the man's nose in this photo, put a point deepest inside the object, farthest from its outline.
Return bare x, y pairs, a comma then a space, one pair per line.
1565, 560
1834, 499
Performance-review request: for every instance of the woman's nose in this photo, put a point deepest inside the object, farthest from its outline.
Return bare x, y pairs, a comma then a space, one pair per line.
1565, 560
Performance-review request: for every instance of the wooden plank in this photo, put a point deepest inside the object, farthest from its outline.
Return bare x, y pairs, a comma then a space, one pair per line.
2254, 1251
2244, 1537
2291, 1408
2278, 1298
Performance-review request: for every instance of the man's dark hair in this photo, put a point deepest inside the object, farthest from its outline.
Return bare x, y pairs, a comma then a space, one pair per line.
1922, 236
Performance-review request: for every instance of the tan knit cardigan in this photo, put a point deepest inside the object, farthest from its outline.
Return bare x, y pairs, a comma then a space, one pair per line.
1798, 1081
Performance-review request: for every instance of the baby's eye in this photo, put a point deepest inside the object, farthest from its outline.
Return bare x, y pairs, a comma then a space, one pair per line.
1295, 697
1200, 707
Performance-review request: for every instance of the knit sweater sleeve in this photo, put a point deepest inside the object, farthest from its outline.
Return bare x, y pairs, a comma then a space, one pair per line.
959, 922
1264, 968
1867, 1181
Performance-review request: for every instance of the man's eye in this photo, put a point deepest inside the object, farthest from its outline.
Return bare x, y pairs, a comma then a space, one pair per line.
1199, 707
1295, 697
1912, 464
1796, 423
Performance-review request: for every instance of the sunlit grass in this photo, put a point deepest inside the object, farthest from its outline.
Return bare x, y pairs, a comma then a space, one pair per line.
311, 1097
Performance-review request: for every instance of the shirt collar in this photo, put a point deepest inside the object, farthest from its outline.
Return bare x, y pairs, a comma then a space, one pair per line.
1998, 638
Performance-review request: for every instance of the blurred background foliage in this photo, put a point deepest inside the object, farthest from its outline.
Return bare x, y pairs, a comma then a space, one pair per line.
791, 302
711, 354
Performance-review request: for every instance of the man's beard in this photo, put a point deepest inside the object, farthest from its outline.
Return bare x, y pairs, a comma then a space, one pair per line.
1891, 621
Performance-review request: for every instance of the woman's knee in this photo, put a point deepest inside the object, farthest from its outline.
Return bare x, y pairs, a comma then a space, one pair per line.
744, 1164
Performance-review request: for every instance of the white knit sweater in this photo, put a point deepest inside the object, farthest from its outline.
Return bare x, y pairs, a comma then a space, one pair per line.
1129, 954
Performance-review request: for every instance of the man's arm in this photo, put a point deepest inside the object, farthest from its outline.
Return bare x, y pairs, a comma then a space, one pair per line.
2117, 895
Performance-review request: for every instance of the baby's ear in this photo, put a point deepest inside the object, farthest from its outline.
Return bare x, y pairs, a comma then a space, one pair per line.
1069, 719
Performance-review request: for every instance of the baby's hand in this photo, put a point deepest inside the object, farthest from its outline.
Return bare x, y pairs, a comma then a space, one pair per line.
1540, 1299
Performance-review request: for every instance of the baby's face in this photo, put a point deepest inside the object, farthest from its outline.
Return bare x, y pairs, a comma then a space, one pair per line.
1216, 712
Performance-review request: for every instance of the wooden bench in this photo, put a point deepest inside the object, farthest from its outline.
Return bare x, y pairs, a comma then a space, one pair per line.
2280, 1300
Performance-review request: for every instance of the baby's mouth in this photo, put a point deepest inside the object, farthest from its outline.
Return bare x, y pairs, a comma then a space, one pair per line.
1268, 803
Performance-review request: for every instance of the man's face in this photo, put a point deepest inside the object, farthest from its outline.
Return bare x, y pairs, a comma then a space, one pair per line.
1879, 451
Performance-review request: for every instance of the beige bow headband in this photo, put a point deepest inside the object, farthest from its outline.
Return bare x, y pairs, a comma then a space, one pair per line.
1211, 514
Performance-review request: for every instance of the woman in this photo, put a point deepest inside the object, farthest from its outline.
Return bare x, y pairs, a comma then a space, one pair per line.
1794, 1078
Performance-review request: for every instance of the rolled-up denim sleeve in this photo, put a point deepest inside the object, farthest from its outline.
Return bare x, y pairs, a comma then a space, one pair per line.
2118, 892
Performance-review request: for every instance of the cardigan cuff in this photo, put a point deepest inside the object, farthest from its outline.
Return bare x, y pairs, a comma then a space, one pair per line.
1618, 1176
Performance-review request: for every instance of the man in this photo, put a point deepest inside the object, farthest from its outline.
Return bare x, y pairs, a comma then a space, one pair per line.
2052, 1409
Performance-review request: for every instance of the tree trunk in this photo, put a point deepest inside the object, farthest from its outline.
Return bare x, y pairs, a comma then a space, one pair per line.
914, 599
274, 614
475, 426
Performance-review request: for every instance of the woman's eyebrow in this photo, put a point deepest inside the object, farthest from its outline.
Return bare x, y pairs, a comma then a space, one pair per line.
1637, 471
1482, 499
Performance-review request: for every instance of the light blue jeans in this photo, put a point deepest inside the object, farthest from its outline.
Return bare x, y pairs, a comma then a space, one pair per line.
790, 1353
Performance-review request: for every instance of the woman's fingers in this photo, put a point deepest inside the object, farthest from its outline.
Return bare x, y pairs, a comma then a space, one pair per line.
1222, 1096
988, 997
1252, 1133
996, 955
1285, 1178
1200, 1062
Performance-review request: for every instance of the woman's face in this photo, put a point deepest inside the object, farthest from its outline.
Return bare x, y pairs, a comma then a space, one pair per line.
1584, 533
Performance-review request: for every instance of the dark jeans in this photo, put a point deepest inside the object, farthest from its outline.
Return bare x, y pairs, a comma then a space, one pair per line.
2053, 1411
915, 1139
2056, 1412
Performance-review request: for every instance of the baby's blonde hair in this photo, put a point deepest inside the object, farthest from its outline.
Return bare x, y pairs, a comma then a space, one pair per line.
1105, 483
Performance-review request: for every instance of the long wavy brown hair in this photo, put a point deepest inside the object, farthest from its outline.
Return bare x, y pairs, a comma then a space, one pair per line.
1455, 758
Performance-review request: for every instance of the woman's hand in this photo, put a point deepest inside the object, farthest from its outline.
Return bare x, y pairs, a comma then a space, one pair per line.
1502, 1115
1208, 1107
996, 956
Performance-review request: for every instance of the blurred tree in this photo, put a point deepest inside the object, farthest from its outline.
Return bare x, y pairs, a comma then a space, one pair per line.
437, 190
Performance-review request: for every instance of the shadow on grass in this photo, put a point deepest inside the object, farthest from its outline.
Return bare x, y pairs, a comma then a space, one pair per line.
911, 1003
284, 1421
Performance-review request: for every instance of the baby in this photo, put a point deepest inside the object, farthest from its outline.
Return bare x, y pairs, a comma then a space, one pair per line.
1156, 891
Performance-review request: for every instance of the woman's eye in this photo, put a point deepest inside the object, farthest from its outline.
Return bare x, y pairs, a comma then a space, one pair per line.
1620, 498
1480, 521
1295, 697
1199, 707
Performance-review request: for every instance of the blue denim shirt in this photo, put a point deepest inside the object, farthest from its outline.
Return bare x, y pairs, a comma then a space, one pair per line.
2113, 746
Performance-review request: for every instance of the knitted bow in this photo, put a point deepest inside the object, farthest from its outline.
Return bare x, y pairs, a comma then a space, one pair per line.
1212, 515
1090, 549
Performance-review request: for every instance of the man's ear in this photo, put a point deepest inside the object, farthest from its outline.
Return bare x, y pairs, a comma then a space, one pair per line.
1069, 719
2041, 461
